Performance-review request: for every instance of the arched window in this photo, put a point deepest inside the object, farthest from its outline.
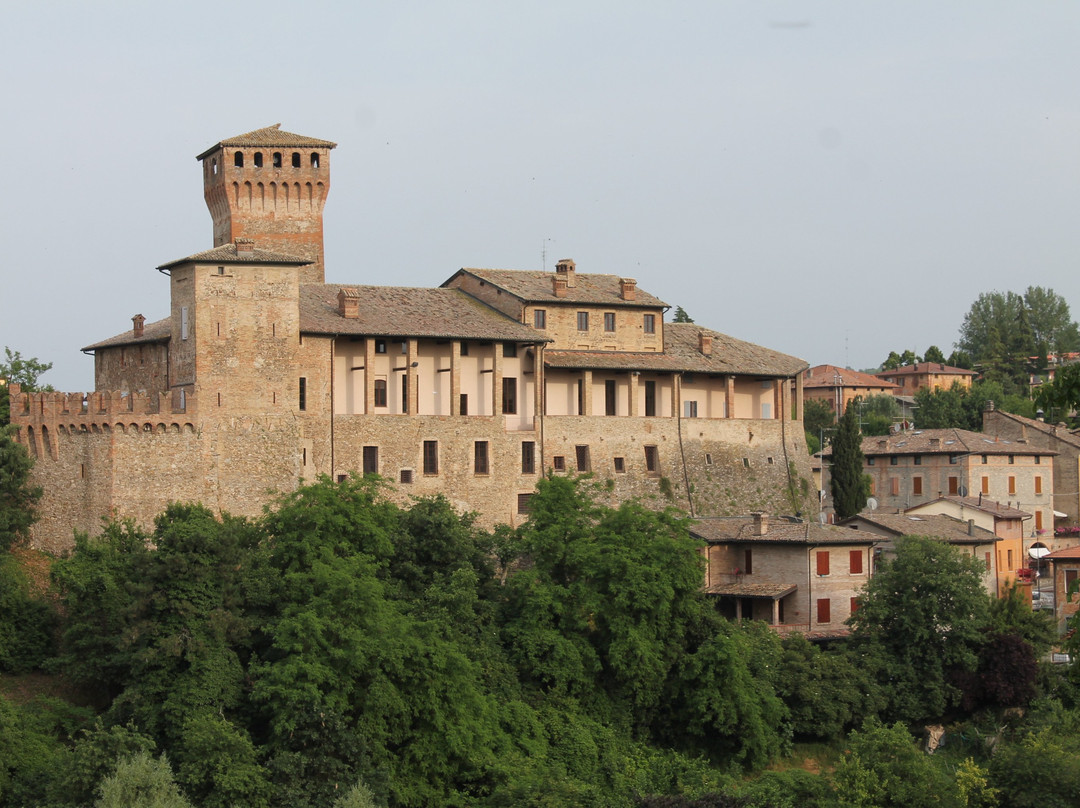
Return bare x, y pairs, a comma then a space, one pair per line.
277, 159
314, 159
238, 159
296, 159
258, 159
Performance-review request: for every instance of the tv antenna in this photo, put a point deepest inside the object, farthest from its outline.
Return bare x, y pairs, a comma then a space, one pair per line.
543, 252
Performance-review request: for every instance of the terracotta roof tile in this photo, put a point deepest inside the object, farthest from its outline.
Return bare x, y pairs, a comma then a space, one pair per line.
977, 504
227, 254
948, 441
921, 368
269, 136
1061, 433
780, 531
158, 331
833, 376
936, 526
1067, 554
536, 287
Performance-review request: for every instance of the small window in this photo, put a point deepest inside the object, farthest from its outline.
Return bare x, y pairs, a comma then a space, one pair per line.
583, 321
954, 486
406, 476
894, 460
917, 460
748, 561
509, 395
1038, 520
524, 503
342, 478
708, 459
650, 399
582, 455
988, 562
824, 610
540, 318
184, 322
954, 459
855, 562
985, 459
986, 485
380, 393
870, 461
649, 322
464, 348
480, 457
620, 465
303, 394
431, 457
296, 159
1012, 460
1012, 484
380, 346
916, 485
238, 159
822, 558
1038, 485
277, 159
404, 346
258, 159
610, 397
528, 457
652, 460
746, 462
894, 486
510, 349
609, 321
558, 462
371, 460
689, 409
314, 159
463, 404
1038, 460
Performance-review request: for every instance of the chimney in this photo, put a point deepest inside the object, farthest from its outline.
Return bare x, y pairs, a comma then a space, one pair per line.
628, 289
245, 248
565, 268
137, 323
971, 527
761, 523
559, 286
705, 343
348, 301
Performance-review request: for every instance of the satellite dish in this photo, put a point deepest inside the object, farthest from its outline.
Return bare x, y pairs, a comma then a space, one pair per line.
962, 490
872, 503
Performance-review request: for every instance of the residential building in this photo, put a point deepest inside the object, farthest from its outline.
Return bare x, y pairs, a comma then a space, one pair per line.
837, 387
909, 379
1065, 566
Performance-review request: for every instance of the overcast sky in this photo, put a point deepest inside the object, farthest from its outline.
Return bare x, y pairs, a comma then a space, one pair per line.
833, 180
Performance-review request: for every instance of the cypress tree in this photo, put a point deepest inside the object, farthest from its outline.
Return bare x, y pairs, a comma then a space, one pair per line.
850, 487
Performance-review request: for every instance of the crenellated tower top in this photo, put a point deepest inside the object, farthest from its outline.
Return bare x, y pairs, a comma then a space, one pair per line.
271, 186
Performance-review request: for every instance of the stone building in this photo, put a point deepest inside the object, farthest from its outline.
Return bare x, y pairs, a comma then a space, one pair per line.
263, 375
837, 387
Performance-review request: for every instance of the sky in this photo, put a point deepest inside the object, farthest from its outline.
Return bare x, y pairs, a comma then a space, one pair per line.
833, 180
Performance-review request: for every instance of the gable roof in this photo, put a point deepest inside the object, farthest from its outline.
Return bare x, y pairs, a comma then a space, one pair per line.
924, 368
682, 354
268, 136
158, 331
730, 529
1067, 554
536, 287
936, 526
1055, 431
228, 254
976, 504
831, 376
399, 311
948, 441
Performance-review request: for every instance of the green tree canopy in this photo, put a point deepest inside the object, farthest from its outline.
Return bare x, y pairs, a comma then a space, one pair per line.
848, 483
14, 369
934, 354
18, 497
681, 316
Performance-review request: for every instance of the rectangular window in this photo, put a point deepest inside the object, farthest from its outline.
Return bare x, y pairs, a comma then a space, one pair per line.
303, 394
894, 486
689, 409
583, 321
404, 346
1012, 460
405, 392
620, 465
894, 460
988, 562
870, 461
954, 486
463, 404
1012, 484
540, 319
609, 397
380, 346
748, 561
824, 610
650, 398
464, 348
581, 397
822, 557
431, 457
609, 321
406, 476
652, 460
528, 457
986, 485
183, 322
510, 349
371, 460
918, 460
708, 459
1038, 459
1009, 559
1038, 485
480, 457
1038, 520
985, 459
509, 395
766, 410
582, 455
524, 503
855, 562
380, 393
916, 485
650, 323
954, 459
558, 462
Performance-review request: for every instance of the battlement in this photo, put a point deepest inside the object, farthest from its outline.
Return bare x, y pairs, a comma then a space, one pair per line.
37, 414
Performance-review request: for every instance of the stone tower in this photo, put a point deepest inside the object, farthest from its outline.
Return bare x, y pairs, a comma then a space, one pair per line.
270, 186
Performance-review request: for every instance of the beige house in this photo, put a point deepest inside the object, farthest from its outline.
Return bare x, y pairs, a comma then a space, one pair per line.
977, 542
837, 387
262, 375
909, 379
796, 576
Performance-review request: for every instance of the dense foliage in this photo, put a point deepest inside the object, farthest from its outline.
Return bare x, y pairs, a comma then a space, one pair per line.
850, 487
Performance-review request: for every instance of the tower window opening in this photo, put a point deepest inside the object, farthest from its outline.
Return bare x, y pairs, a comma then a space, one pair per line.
238, 159
277, 159
213, 166
314, 160
296, 159
258, 159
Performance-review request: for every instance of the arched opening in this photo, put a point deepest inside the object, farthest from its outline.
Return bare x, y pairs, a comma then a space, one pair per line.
46, 443
238, 159
213, 166
296, 159
314, 159
31, 443
258, 159
277, 159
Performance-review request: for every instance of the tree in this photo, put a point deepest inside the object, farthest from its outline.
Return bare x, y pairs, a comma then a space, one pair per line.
1050, 320
141, 781
681, 316
923, 615
878, 413
17, 496
1060, 397
849, 485
23, 372
934, 354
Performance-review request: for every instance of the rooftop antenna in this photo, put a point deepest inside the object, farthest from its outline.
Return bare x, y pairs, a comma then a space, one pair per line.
543, 252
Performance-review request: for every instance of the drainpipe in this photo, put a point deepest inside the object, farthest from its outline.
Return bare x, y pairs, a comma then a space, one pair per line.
682, 451
333, 345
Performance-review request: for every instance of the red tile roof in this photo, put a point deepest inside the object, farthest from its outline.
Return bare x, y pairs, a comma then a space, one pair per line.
832, 376
536, 287
269, 136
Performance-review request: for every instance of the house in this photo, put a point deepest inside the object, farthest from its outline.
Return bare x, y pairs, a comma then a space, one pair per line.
837, 387
1011, 563
262, 375
1065, 566
795, 575
977, 542
1056, 438
909, 379
916, 466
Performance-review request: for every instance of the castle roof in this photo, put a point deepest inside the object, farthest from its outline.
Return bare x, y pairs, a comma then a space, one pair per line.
269, 136
946, 441
536, 287
936, 526
728, 529
399, 311
228, 254
832, 376
682, 354
158, 331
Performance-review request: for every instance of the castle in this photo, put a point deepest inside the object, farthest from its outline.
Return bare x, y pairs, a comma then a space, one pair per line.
263, 375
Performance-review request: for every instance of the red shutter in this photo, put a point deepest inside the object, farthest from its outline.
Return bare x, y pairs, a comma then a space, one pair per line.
824, 610
823, 562
856, 561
